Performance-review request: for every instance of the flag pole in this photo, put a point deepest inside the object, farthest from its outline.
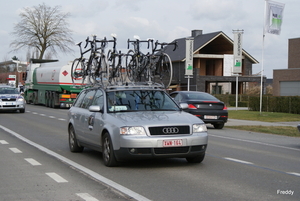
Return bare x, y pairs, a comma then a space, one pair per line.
262, 61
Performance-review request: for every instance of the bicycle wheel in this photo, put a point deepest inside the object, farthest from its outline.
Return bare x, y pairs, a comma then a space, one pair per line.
78, 71
93, 77
103, 73
114, 73
131, 66
164, 71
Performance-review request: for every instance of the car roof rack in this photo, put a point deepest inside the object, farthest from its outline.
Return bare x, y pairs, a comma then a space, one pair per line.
135, 85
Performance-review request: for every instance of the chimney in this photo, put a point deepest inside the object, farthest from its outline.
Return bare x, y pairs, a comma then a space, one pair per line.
196, 33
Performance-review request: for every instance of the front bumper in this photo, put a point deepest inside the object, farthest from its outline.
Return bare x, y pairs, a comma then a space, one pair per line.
152, 147
11, 106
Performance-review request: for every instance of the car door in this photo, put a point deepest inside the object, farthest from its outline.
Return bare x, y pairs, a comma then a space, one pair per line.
95, 120
85, 114
76, 113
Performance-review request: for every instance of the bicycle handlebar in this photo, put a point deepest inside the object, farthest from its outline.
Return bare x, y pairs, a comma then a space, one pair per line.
164, 44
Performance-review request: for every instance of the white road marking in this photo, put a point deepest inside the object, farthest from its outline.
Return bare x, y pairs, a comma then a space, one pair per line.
60, 119
237, 160
56, 177
3, 142
43, 115
34, 112
52, 117
15, 150
32, 161
89, 172
256, 142
294, 173
86, 197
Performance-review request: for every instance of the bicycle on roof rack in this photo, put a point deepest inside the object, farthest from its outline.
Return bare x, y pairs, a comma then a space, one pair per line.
160, 64
154, 67
135, 59
79, 65
116, 69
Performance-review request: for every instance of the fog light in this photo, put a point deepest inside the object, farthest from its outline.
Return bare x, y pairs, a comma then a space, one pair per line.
132, 150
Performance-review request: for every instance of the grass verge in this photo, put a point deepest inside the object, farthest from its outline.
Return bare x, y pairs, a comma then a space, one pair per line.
266, 117
277, 130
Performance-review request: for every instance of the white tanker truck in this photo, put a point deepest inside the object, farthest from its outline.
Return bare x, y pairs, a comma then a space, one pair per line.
49, 84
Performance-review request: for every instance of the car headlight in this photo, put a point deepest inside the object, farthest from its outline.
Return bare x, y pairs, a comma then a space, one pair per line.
21, 99
132, 130
198, 128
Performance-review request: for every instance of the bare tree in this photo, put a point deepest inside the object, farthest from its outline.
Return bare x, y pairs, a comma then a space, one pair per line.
43, 28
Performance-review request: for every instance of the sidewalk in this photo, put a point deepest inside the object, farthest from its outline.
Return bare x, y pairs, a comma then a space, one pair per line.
238, 122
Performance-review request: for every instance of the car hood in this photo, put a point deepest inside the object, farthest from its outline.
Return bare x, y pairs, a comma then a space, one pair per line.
156, 118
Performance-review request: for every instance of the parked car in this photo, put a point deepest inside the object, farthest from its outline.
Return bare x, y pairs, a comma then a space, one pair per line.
203, 105
11, 99
134, 122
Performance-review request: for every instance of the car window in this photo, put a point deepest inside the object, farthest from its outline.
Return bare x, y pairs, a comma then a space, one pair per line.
79, 99
88, 99
133, 100
177, 97
98, 99
200, 96
9, 91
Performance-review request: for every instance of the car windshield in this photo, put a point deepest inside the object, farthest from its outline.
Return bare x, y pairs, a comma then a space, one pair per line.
200, 96
8, 91
139, 100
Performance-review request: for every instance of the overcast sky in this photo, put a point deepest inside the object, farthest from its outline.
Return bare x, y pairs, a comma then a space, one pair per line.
165, 20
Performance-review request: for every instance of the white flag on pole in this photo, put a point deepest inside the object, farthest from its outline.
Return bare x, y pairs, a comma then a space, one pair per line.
273, 17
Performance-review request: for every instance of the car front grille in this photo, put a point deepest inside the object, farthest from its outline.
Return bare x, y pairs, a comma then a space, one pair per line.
11, 99
4, 106
169, 130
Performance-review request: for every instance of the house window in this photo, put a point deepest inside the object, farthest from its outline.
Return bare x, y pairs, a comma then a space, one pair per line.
216, 89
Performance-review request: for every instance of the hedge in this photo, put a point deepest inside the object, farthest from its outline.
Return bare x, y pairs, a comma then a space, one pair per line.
285, 104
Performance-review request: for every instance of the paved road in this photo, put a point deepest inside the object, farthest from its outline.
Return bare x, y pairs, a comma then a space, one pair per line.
239, 165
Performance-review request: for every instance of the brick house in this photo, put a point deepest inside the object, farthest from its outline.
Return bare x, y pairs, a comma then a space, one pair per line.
209, 65
286, 82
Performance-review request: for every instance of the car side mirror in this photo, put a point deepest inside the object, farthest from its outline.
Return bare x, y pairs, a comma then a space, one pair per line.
183, 106
95, 108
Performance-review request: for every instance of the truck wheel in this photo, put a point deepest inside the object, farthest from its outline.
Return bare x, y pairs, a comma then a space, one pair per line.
47, 99
35, 98
108, 151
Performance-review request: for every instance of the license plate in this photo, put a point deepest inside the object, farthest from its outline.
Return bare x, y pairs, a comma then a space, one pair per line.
210, 117
172, 143
12, 103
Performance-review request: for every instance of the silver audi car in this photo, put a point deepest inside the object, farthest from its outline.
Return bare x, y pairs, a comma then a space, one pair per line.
135, 122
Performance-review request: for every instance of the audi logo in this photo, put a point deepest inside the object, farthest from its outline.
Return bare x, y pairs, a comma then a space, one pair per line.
170, 130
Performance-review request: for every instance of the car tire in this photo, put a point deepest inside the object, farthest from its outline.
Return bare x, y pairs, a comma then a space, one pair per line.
219, 126
22, 110
73, 143
196, 159
108, 154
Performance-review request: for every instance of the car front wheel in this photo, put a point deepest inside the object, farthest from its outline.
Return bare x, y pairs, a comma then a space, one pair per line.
73, 143
108, 154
